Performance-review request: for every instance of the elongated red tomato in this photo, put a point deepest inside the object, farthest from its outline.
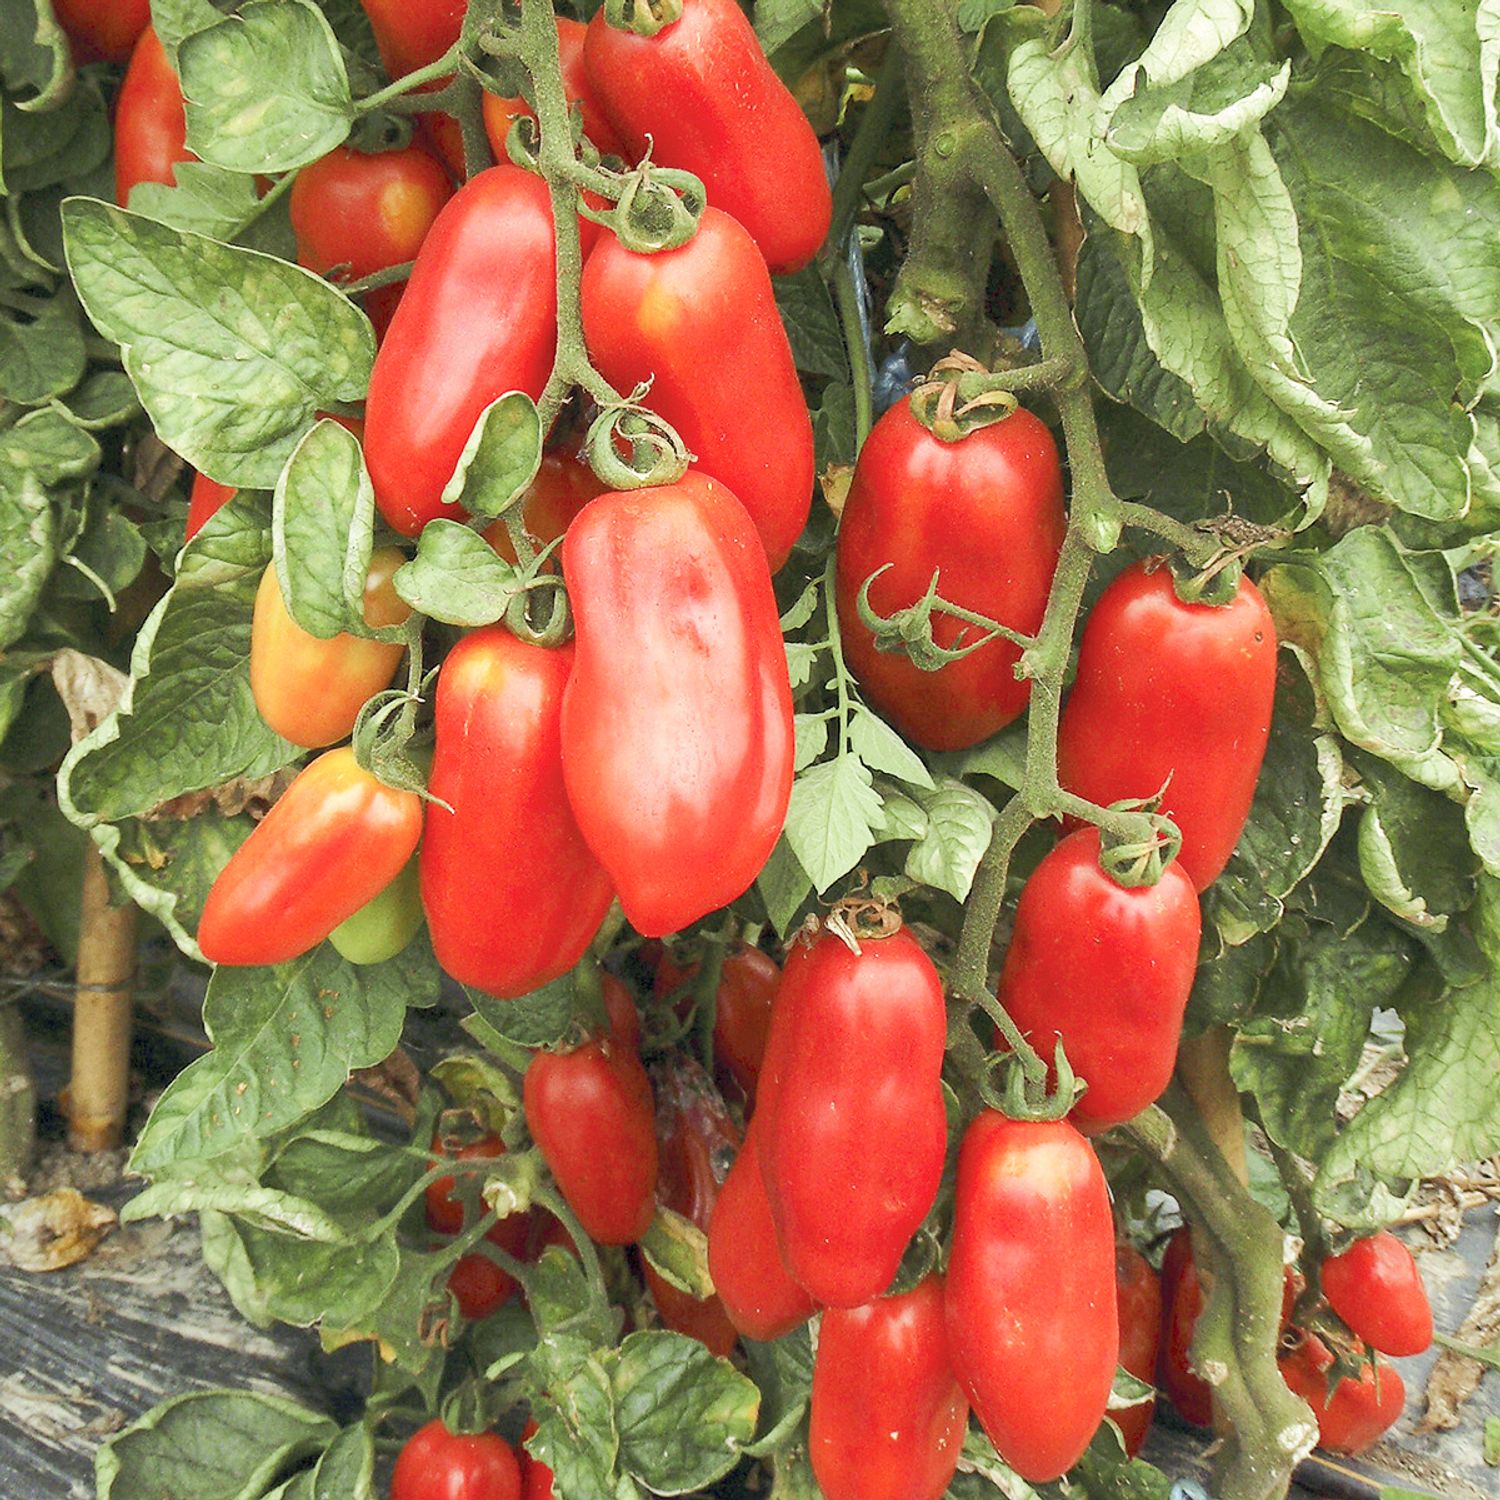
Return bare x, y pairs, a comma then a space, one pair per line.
1033, 1330
358, 213
888, 1418
748, 1273
439, 1464
677, 721
742, 1010
150, 122
700, 323
696, 1140
1376, 1288
1106, 968
1138, 1294
208, 497
986, 514
1358, 1412
412, 33
1173, 690
590, 1112
477, 319
504, 923
335, 839
704, 93
500, 113
102, 30
308, 690
852, 1126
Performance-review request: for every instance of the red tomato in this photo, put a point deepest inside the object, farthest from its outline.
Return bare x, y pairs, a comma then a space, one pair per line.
888, 1418
1107, 969
703, 92
333, 841
1359, 1412
358, 214
700, 323
536, 1476
742, 1009
207, 499
412, 33
751, 1278
696, 1140
504, 924
102, 30
445, 136
590, 1112
852, 1128
1376, 1288
986, 514
1167, 689
310, 691
563, 486
1138, 1298
479, 1286
1033, 1330
677, 721
478, 319
445, 1213
150, 123
624, 1015
501, 113
437, 1464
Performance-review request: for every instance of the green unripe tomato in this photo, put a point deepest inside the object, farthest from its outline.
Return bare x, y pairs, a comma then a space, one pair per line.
383, 926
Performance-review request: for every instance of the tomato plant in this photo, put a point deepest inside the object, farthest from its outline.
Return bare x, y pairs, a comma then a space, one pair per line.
1353, 1414
1375, 1287
150, 123
437, 1463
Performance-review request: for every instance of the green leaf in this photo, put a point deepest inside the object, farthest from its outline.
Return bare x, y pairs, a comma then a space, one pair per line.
353, 1177
833, 815
396, 1323
812, 325
42, 148
285, 1040
232, 352
41, 351
205, 199
882, 749
172, 20
811, 739
346, 1471
266, 89
322, 518
262, 1208
28, 549
105, 399
501, 457
682, 1414
678, 1252
303, 1283
776, 21
34, 53
457, 577
51, 446
211, 1445
783, 885
958, 833
576, 1436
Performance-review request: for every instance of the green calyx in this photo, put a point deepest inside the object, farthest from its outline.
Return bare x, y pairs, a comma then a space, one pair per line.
960, 396
658, 209
630, 448
1214, 585
1140, 856
643, 17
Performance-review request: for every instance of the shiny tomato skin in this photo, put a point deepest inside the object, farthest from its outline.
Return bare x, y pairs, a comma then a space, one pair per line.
437, 1464
986, 514
477, 319
1182, 1302
852, 1128
1172, 690
707, 306
1106, 968
150, 122
742, 1009
412, 33
102, 30
590, 1111
677, 720
1138, 1298
207, 499
503, 924
500, 113
564, 484
1359, 1412
704, 92
624, 1014
1376, 1288
1031, 1290
479, 1286
359, 213
750, 1276
888, 1418
696, 1141
308, 690
334, 839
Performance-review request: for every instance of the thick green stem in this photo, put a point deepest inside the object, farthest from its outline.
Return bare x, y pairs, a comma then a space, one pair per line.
441, 68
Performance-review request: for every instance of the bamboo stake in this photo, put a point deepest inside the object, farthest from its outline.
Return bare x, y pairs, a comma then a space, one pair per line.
99, 1091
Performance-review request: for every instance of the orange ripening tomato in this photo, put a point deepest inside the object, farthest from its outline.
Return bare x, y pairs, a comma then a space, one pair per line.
207, 499
310, 691
563, 486
501, 113
102, 30
359, 213
335, 839
150, 122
